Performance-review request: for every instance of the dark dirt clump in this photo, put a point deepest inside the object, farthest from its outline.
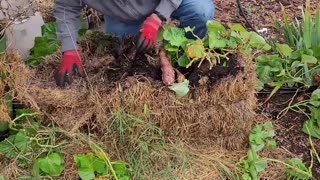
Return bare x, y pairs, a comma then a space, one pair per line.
221, 70
289, 134
127, 63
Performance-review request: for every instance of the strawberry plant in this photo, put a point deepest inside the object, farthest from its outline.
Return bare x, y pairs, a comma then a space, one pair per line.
295, 63
52, 164
312, 125
262, 136
220, 42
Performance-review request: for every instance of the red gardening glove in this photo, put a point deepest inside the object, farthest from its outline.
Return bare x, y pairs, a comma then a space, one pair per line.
148, 33
70, 65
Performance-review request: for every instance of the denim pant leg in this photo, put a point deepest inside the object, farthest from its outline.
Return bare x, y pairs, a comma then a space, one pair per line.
120, 29
195, 13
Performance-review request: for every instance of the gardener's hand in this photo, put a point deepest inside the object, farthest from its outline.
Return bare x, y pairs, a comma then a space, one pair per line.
70, 66
148, 33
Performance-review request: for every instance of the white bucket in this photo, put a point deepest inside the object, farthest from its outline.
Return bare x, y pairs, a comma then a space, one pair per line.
22, 33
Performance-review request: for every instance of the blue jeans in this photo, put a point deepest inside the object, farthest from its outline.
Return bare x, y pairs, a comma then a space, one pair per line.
193, 13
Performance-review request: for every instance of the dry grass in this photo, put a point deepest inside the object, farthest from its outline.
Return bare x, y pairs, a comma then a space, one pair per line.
221, 115
205, 122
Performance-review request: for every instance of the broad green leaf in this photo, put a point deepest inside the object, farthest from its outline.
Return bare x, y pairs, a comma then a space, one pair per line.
99, 166
216, 41
253, 172
183, 60
237, 27
86, 173
308, 59
315, 98
258, 41
84, 160
293, 174
6, 147
271, 144
257, 147
260, 165
52, 165
215, 26
284, 49
232, 42
21, 141
310, 127
246, 176
175, 36
195, 50
315, 115
121, 170
181, 89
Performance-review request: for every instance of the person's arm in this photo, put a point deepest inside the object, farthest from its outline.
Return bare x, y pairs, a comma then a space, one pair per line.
67, 14
166, 7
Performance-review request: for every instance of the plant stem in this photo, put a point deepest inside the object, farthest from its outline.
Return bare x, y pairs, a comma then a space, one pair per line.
288, 165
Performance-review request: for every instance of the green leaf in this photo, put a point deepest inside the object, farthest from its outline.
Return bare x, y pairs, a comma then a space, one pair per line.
86, 173
181, 89
89, 164
271, 144
307, 30
308, 59
216, 41
216, 27
195, 49
183, 60
284, 49
315, 98
260, 165
52, 165
121, 170
175, 36
310, 127
6, 147
237, 27
317, 28
246, 176
99, 166
258, 41
21, 141
294, 174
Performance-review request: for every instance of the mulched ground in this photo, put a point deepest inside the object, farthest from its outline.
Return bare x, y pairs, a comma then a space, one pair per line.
262, 14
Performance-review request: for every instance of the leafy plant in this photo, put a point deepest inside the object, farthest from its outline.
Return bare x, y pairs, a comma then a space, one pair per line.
48, 43
252, 166
261, 136
312, 125
219, 43
293, 173
294, 63
44, 45
52, 165
89, 166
